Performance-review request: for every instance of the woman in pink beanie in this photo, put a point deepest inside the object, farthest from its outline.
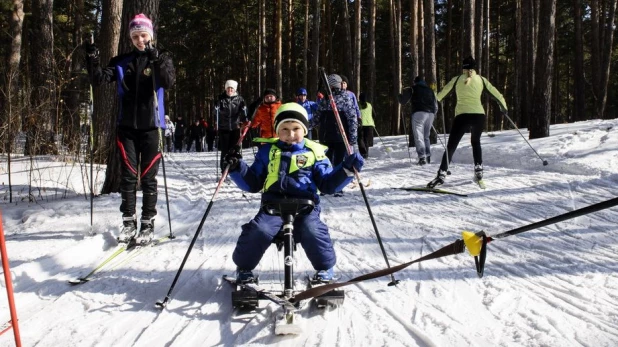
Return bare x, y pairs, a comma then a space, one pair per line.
141, 76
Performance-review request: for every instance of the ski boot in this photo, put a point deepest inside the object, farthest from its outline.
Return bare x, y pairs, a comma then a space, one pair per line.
338, 194
129, 229
324, 276
478, 172
439, 180
146, 232
244, 276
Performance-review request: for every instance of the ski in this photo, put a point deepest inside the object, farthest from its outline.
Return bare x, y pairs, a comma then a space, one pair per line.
354, 184
480, 183
247, 295
432, 190
134, 251
332, 298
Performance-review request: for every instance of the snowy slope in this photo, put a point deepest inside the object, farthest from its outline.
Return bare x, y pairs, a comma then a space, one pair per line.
554, 286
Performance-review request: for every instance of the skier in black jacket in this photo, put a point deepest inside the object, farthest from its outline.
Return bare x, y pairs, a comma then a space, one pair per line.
230, 112
138, 136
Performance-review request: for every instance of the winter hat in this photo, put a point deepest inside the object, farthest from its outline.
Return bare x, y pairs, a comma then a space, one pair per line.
291, 112
141, 23
269, 91
418, 79
231, 83
301, 91
334, 81
362, 98
344, 79
469, 63
167, 117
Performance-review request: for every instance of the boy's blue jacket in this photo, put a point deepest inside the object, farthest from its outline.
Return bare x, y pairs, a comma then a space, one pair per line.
296, 171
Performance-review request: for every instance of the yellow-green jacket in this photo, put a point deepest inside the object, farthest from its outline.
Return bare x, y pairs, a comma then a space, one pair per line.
469, 95
367, 116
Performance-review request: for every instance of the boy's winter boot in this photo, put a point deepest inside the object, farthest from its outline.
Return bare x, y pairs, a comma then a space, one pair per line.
324, 276
438, 180
421, 161
146, 232
244, 276
428, 159
129, 229
478, 172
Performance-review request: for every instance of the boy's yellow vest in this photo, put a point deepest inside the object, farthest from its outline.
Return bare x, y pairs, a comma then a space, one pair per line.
316, 153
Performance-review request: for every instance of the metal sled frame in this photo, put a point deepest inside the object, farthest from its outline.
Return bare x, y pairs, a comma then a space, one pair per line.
247, 295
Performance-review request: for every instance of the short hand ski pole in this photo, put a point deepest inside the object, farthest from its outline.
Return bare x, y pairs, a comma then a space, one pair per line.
523, 137
360, 184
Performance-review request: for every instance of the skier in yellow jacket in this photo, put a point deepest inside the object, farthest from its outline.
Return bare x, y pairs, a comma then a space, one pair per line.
469, 115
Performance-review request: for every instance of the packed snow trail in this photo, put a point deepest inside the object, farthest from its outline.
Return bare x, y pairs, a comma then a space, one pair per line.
550, 286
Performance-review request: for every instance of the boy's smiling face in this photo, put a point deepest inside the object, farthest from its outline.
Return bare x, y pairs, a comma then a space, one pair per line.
291, 132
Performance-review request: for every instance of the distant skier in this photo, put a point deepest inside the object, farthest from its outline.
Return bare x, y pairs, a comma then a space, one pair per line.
293, 167
265, 114
137, 135
469, 115
424, 108
365, 131
229, 113
330, 134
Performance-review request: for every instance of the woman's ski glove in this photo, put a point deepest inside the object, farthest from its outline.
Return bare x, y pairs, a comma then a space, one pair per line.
153, 53
353, 161
233, 158
92, 52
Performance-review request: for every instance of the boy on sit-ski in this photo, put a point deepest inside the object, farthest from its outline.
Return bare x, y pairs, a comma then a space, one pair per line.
289, 166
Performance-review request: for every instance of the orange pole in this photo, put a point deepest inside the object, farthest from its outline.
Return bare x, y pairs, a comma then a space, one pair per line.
9, 285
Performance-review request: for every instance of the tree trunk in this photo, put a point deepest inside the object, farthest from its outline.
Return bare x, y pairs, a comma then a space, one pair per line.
290, 71
602, 43
579, 97
539, 126
395, 20
371, 51
305, 54
430, 45
357, 47
8, 100
469, 47
413, 38
313, 78
42, 120
278, 47
347, 43
421, 39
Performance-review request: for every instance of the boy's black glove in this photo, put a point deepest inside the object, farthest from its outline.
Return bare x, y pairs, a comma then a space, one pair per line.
152, 51
353, 161
233, 158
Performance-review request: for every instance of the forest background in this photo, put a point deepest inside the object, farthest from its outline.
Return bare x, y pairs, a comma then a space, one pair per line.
551, 60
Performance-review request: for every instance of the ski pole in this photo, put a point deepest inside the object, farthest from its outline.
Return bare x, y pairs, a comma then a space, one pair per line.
91, 145
217, 160
388, 149
162, 304
405, 129
356, 174
448, 160
158, 123
250, 135
438, 136
523, 137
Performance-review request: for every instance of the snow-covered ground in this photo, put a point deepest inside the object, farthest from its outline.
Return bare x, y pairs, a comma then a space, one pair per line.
554, 286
